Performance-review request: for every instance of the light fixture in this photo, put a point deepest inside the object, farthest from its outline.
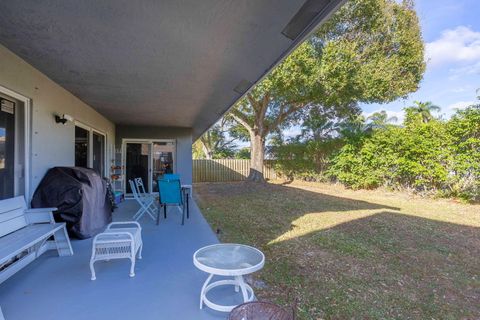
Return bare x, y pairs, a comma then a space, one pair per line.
305, 16
242, 86
63, 119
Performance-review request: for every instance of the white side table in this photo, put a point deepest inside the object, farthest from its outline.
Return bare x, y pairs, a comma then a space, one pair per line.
121, 240
230, 260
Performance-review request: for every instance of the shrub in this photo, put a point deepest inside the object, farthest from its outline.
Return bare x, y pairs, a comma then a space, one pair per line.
304, 160
439, 157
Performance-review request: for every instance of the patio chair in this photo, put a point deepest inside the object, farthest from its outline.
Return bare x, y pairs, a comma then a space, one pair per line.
142, 193
186, 189
145, 203
170, 192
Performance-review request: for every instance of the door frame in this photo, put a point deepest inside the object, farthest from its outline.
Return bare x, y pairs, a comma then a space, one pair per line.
26, 151
150, 158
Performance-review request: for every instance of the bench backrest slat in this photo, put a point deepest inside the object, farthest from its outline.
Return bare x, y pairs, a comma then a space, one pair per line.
12, 215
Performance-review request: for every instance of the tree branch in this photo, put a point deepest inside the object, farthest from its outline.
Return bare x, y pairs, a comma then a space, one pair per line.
263, 108
253, 102
241, 119
283, 114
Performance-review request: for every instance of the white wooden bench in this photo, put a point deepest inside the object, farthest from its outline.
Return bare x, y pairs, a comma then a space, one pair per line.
26, 233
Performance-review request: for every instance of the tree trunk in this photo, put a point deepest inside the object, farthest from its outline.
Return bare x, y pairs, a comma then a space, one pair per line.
206, 151
257, 156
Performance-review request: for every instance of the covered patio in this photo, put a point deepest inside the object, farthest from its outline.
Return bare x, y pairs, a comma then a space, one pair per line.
124, 88
166, 286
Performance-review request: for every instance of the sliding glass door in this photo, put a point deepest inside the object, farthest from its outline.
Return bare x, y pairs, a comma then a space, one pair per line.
148, 160
163, 161
90, 149
137, 163
98, 153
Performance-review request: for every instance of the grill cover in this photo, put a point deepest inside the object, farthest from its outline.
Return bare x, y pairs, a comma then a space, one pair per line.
80, 194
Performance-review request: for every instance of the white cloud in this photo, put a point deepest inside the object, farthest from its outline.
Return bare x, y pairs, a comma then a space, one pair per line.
466, 88
461, 44
460, 105
473, 69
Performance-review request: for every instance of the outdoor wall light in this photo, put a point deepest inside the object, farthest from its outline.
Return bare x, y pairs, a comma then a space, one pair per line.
63, 119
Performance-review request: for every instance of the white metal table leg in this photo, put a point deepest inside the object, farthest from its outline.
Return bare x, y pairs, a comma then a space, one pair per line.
242, 285
237, 281
202, 293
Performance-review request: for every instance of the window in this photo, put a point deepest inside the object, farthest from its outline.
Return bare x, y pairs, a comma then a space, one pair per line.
90, 149
7, 148
14, 144
81, 147
99, 153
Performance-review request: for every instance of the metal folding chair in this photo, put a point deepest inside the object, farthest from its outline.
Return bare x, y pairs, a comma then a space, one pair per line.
145, 203
143, 194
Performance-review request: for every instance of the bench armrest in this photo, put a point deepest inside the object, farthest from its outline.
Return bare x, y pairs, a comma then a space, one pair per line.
40, 215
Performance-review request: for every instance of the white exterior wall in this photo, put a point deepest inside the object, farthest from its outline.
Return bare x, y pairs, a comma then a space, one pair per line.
51, 144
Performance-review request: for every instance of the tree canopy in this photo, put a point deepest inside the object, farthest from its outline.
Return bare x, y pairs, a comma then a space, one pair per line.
368, 51
439, 157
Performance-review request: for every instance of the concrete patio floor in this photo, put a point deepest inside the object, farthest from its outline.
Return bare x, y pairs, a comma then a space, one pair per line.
166, 285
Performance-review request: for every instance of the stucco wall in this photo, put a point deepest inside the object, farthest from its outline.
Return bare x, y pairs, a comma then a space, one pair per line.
182, 137
52, 144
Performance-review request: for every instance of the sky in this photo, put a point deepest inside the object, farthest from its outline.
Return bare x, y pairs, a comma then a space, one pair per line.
451, 31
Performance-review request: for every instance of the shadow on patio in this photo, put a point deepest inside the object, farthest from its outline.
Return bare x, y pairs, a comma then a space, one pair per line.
166, 285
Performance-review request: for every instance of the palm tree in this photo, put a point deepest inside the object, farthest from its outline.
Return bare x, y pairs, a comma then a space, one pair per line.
424, 109
352, 127
379, 120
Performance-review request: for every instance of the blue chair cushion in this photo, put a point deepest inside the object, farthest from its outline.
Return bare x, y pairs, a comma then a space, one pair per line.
170, 191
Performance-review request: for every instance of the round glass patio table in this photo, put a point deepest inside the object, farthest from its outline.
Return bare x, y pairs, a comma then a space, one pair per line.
229, 260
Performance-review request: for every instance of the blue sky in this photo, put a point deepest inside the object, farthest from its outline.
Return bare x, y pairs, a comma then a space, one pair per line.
451, 31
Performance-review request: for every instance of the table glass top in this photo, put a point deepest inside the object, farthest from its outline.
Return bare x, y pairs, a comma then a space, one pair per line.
229, 256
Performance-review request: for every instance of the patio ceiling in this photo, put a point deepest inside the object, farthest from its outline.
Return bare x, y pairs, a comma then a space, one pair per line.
161, 63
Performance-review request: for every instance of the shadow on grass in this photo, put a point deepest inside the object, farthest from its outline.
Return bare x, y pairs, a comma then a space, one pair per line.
274, 208
386, 265
347, 258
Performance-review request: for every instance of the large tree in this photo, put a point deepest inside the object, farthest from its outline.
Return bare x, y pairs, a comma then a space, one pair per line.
368, 51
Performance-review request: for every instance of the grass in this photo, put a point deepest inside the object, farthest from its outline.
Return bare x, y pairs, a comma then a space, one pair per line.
346, 254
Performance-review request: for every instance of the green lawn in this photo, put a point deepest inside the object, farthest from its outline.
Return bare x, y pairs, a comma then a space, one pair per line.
347, 254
